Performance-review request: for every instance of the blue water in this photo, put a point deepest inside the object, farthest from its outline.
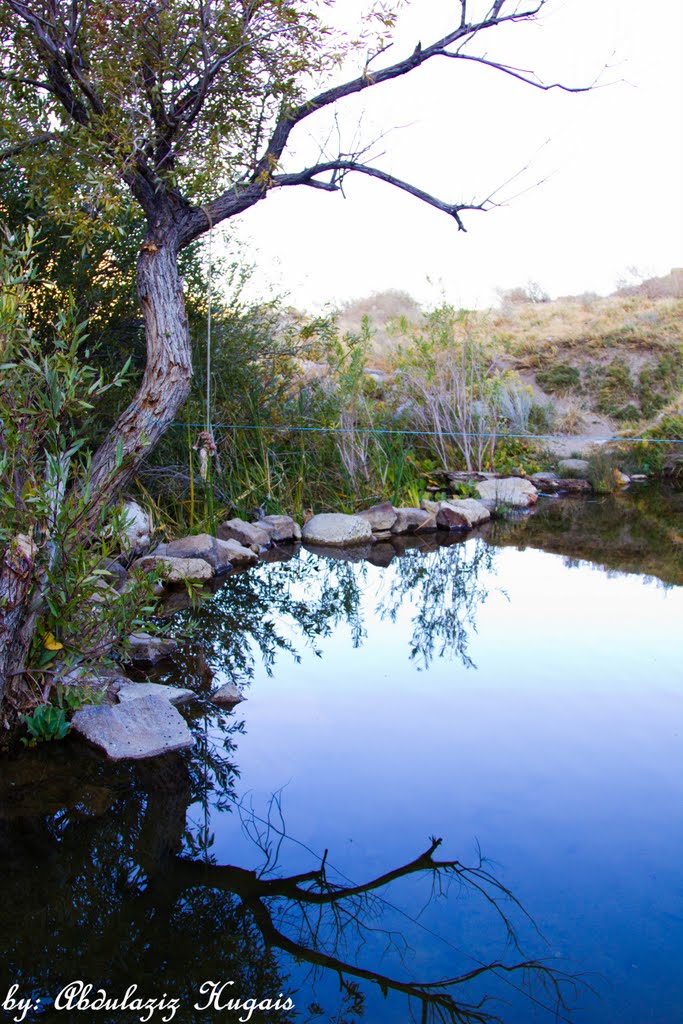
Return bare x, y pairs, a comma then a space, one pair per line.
556, 745
522, 706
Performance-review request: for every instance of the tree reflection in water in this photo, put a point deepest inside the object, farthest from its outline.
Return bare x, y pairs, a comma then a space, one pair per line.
104, 883
447, 590
276, 608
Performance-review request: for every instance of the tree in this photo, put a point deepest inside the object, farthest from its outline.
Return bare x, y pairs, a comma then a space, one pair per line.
186, 108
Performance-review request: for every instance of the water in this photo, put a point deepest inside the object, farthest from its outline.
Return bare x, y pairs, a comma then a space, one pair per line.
524, 705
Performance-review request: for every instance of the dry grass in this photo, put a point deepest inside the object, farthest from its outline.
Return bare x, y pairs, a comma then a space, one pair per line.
623, 351
571, 418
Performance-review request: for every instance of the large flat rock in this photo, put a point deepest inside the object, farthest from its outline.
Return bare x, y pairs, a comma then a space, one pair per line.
136, 691
472, 510
136, 729
337, 530
513, 491
220, 554
176, 570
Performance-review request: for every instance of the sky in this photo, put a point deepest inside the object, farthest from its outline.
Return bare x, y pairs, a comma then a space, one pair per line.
590, 184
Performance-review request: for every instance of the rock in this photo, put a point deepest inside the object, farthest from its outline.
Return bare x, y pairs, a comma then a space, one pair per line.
573, 467
638, 478
474, 511
430, 506
103, 594
145, 649
448, 519
337, 529
238, 554
571, 486
381, 517
510, 490
227, 695
621, 479
135, 691
220, 554
113, 573
408, 520
136, 729
547, 482
176, 570
137, 532
429, 524
280, 528
251, 535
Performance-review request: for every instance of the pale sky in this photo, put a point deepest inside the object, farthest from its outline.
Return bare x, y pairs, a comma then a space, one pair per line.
602, 192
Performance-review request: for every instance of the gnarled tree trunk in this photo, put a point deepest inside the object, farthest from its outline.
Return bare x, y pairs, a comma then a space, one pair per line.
164, 388
168, 371
18, 611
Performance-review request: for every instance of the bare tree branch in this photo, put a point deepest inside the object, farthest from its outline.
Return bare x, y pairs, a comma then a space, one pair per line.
528, 77
309, 177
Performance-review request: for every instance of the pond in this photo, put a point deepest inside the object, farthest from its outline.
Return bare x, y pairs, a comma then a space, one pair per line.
518, 696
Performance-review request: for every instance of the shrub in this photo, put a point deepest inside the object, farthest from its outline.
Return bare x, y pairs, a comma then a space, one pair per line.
46, 388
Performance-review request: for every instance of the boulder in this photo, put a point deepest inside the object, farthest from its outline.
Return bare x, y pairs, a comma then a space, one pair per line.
220, 554
135, 729
510, 490
408, 520
280, 528
176, 570
474, 511
144, 649
569, 485
135, 691
113, 573
238, 554
251, 535
448, 519
381, 517
430, 506
137, 531
621, 479
573, 467
547, 482
227, 695
337, 529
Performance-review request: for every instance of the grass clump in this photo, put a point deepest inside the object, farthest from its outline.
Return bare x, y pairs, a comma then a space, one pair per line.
560, 377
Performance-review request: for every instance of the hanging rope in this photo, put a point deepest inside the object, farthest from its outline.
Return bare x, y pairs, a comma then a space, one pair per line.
205, 443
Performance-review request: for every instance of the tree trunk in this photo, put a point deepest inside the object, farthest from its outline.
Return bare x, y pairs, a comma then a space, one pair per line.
166, 382
165, 386
18, 613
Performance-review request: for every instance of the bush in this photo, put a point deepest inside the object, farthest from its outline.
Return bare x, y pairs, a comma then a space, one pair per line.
46, 389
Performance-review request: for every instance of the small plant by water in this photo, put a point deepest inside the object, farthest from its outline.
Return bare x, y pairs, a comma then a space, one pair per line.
45, 724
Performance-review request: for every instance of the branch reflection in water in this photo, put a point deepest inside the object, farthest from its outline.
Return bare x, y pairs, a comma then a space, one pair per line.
116, 884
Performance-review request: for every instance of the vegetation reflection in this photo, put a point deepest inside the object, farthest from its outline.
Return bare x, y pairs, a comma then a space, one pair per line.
279, 608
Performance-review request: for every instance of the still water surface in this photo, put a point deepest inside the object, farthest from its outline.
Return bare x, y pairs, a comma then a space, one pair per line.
524, 706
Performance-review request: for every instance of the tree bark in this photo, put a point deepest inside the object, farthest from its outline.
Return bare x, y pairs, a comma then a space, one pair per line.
166, 381
18, 613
